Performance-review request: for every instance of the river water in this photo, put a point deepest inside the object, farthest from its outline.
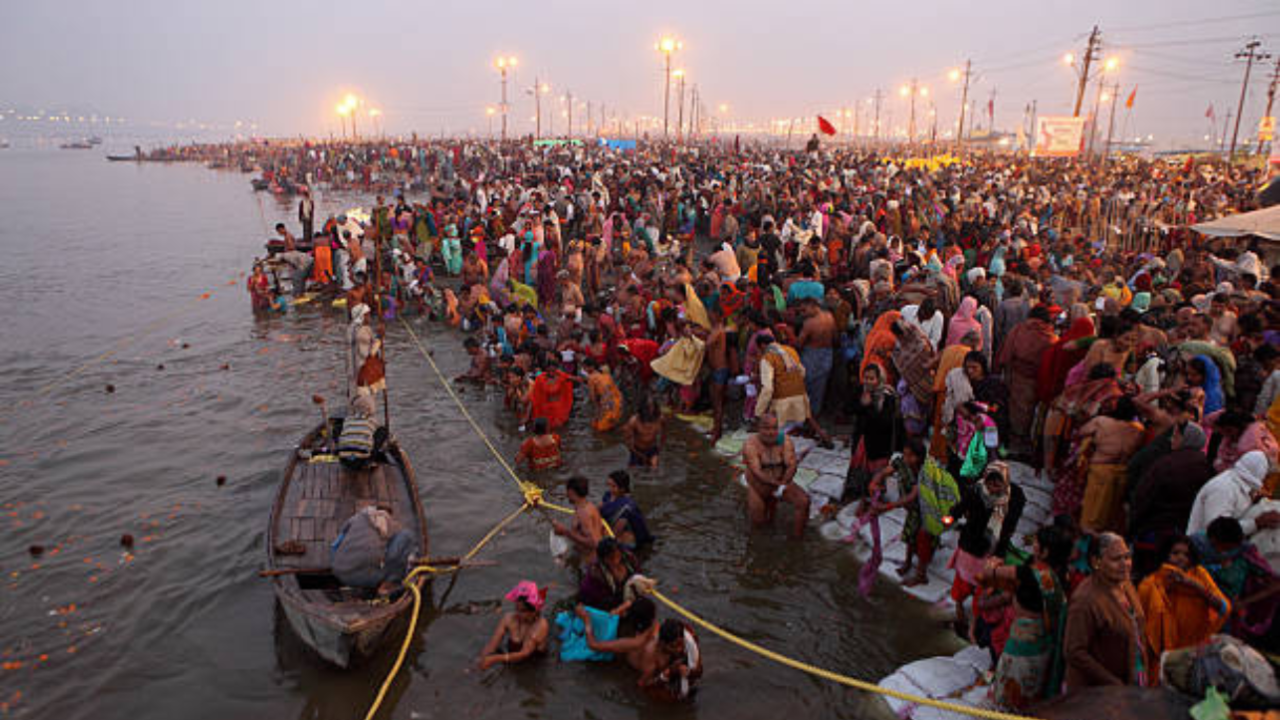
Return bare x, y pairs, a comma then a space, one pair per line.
131, 276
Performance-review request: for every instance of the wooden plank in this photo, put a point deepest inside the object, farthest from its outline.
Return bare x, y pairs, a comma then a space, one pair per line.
306, 528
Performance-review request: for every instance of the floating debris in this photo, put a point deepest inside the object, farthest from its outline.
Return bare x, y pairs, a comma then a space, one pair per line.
126, 540
222, 480
110, 388
36, 550
160, 366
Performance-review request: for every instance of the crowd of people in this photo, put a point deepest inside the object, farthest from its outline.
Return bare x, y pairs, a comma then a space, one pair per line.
950, 322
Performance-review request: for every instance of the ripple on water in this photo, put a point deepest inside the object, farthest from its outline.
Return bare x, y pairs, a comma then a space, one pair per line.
185, 628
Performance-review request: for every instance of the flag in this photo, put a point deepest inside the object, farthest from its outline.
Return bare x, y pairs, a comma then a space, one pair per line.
1129, 103
1209, 113
991, 109
825, 126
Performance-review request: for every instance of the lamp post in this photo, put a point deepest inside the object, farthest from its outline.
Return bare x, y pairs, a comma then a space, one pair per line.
666, 46
503, 63
342, 111
680, 106
489, 113
352, 104
911, 91
955, 76
1111, 65
374, 115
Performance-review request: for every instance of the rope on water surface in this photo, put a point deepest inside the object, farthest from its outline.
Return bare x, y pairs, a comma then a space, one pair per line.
409, 582
533, 498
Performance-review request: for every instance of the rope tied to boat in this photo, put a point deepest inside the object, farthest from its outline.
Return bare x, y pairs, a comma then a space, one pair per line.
534, 500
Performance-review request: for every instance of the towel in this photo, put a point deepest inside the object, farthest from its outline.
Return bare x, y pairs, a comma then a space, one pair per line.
573, 635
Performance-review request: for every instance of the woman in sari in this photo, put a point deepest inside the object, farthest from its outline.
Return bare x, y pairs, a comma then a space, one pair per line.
879, 345
964, 321
1060, 357
1064, 457
1181, 601
948, 393
1242, 574
1203, 372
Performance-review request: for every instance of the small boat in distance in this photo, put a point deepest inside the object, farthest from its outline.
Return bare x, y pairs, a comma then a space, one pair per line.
316, 496
76, 145
95, 140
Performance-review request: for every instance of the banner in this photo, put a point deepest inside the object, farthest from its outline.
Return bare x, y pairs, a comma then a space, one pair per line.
1267, 128
1058, 136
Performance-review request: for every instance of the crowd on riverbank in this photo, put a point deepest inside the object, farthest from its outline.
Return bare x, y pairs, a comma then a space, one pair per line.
958, 316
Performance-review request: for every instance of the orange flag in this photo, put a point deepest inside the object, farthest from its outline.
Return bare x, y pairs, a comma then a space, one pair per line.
1129, 103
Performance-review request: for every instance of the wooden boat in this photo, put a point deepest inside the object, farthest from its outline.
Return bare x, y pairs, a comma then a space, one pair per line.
124, 158
76, 145
316, 496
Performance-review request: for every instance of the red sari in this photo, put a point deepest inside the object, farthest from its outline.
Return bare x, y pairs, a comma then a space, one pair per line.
551, 398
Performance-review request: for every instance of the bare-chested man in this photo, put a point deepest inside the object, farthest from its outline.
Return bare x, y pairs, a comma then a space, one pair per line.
1115, 436
817, 343
717, 359
770, 459
667, 656
588, 526
644, 433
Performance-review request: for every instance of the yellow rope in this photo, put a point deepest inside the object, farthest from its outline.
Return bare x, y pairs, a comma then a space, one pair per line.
533, 498
417, 602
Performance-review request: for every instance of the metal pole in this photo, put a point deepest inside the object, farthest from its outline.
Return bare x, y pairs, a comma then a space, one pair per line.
1111, 124
680, 110
1271, 97
911, 122
537, 106
1089, 52
666, 96
964, 103
504, 103
1249, 53
877, 128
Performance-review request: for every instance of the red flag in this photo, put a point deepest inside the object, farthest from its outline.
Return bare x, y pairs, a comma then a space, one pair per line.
1209, 113
991, 109
825, 126
1129, 103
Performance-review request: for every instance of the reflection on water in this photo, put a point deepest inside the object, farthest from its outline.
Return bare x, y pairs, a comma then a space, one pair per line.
181, 626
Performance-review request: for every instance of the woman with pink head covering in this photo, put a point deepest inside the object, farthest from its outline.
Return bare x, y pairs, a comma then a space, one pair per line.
964, 321
520, 634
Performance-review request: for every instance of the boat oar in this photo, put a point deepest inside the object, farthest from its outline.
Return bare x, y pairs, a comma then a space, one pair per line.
434, 562
324, 417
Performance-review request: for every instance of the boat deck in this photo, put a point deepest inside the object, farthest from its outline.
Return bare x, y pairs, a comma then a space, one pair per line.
323, 494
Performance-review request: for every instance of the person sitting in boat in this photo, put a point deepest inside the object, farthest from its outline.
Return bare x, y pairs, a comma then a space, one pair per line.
362, 436
372, 552
521, 634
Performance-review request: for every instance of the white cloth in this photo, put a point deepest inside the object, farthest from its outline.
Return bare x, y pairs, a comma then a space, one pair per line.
932, 327
1266, 540
1229, 494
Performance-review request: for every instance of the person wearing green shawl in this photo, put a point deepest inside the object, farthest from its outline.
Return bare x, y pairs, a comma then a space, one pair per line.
937, 493
1141, 302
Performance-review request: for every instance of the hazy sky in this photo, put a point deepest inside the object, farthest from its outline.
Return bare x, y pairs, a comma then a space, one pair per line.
428, 64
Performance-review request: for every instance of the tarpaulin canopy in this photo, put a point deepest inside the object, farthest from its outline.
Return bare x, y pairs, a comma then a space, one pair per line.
1264, 223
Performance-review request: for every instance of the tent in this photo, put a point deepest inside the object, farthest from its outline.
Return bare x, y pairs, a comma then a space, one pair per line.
1264, 223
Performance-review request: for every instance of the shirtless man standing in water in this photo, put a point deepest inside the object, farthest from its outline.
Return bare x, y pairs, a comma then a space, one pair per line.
643, 434
770, 459
717, 358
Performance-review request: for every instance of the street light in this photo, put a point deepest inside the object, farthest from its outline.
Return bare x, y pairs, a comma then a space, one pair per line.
666, 46
489, 112
502, 63
679, 74
343, 111
375, 114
